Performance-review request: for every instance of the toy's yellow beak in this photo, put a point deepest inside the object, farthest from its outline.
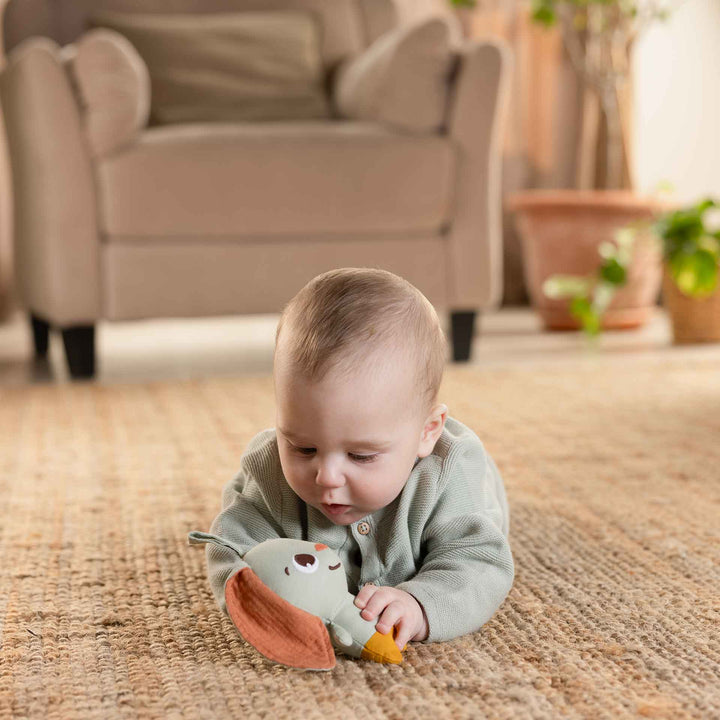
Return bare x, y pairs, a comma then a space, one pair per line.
382, 648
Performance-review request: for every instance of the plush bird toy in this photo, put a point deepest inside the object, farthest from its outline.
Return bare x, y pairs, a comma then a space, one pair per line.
293, 605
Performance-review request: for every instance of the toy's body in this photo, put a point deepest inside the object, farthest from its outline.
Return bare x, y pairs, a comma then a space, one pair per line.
292, 603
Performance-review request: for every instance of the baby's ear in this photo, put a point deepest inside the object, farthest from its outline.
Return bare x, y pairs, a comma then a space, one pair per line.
434, 425
279, 630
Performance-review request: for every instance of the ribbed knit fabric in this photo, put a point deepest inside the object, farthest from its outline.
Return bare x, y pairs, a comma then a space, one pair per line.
443, 539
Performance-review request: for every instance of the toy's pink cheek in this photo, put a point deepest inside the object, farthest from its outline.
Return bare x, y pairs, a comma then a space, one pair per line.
320, 546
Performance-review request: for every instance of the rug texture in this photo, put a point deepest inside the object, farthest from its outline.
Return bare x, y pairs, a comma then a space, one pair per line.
613, 477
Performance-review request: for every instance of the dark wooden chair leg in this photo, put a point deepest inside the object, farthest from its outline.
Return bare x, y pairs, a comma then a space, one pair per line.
79, 344
463, 326
41, 334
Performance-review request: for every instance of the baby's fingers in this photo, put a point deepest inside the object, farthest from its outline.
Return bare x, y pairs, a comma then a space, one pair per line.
404, 633
377, 603
366, 592
392, 613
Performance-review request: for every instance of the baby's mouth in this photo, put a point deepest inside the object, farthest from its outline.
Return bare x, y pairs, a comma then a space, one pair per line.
335, 509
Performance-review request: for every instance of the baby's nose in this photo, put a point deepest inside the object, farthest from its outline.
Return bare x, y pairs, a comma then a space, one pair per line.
329, 476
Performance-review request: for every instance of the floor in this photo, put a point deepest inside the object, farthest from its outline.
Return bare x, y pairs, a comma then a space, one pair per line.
165, 349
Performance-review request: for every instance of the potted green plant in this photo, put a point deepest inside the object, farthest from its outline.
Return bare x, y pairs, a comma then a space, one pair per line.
691, 252
691, 289
589, 296
561, 230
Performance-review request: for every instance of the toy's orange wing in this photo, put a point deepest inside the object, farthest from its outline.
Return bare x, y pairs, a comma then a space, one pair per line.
279, 630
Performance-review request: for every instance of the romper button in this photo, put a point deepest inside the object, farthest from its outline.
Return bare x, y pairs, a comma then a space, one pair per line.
363, 528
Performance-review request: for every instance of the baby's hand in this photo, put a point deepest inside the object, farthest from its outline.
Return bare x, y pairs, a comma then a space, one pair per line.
397, 608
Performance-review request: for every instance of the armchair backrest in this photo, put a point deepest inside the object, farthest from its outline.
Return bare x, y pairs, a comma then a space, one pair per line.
348, 25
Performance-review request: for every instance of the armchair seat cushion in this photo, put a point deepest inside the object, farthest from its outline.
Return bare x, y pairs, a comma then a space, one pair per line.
264, 179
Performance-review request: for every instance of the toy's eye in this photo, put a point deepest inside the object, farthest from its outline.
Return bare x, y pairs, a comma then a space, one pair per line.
305, 563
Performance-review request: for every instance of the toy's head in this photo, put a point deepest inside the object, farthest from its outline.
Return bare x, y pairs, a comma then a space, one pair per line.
308, 575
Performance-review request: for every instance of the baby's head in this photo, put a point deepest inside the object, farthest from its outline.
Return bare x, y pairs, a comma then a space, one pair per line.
359, 357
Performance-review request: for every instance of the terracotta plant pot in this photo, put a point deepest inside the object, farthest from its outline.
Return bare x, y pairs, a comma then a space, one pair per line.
694, 320
561, 231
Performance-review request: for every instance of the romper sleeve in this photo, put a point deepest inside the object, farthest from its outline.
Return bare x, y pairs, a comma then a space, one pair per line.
467, 567
246, 519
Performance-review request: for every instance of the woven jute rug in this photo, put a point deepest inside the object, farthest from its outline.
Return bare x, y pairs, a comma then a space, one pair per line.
613, 477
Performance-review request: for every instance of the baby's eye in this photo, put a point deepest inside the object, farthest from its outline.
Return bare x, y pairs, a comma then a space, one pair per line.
354, 456
363, 458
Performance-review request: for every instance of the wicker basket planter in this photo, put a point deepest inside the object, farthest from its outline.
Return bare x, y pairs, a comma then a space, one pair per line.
693, 320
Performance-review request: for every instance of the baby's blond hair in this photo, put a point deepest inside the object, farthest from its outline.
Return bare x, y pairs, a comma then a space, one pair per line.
342, 317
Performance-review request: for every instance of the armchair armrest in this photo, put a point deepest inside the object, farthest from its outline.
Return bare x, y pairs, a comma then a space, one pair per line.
55, 227
478, 110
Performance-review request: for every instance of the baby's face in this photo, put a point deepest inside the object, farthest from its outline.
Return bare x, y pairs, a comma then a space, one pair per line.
347, 447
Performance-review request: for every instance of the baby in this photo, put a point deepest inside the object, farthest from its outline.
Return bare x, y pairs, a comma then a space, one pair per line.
365, 459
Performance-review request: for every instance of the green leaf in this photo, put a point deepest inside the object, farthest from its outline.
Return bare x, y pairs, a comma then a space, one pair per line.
710, 243
604, 293
580, 307
625, 236
607, 250
613, 272
692, 252
562, 287
683, 224
584, 312
695, 274
543, 12
705, 205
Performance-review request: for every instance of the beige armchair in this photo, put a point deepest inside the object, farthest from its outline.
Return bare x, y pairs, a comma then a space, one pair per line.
120, 218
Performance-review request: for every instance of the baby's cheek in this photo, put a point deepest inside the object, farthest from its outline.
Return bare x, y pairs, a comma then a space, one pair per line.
380, 492
372, 487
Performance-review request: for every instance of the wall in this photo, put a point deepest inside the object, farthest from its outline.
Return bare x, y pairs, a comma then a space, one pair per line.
677, 102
